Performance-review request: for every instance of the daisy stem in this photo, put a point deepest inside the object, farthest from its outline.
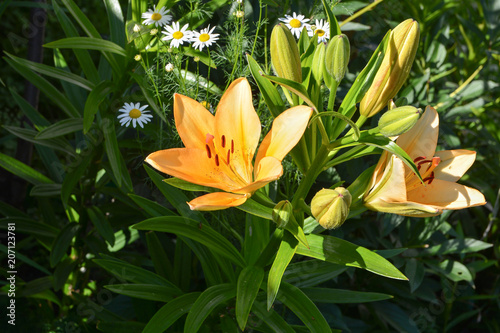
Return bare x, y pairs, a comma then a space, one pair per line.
265, 44
258, 27
237, 52
197, 77
208, 75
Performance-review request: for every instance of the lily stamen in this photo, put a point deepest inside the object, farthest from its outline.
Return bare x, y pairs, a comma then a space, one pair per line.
427, 176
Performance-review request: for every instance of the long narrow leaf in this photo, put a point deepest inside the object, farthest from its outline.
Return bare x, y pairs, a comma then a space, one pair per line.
191, 229
248, 286
53, 72
304, 308
82, 56
170, 312
47, 88
87, 43
206, 303
285, 254
22, 170
61, 128
342, 252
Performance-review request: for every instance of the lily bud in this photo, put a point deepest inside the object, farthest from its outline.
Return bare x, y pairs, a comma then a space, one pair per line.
282, 213
331, 207
395, 67
337, 57
398, 120
285, 54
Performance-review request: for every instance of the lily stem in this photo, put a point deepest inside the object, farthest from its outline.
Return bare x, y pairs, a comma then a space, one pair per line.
310, 176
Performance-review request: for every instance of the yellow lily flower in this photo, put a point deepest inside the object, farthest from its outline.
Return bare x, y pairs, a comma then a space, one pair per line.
396, 189
219, 149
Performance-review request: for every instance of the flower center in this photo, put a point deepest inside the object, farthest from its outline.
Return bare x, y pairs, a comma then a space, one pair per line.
177, 35
319, 32
134, 113
204, 37
427, 175
222, 155
294, 23
156, 16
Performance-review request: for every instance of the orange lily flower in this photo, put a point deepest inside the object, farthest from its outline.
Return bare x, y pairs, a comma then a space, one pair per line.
219, 150
396, 189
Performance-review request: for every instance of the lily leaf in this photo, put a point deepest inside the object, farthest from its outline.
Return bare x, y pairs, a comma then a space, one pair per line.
294, 87
285, 254
192, 229
342, 252
268, 91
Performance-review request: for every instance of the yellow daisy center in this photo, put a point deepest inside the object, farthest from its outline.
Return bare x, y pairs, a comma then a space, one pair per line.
177, 35
294, 23
204, 37
156, 16
319, 32
134, 113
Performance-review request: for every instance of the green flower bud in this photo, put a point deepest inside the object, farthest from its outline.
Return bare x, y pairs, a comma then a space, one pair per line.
285, 54
282, 213
331, 207
398, 120
395, 67
337, 57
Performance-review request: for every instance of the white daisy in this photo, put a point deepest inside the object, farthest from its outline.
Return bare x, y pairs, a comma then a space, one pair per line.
135, 114
204, 38
177, 35
321, 29
295, 23
158, 17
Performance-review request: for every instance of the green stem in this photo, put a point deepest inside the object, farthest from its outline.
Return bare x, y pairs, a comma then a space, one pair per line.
310, 176
208, 75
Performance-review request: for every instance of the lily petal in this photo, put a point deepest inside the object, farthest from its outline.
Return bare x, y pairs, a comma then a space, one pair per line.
217, 200
192, 165
391, 187
269, 169
421, 140
446, 195
193, 121
286, 131
406, 208
238, 122
454, 163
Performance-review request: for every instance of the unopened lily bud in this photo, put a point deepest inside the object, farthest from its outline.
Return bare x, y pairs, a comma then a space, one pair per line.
285, 54
282, 213
398, 121
394, 69
337, 57
331, 207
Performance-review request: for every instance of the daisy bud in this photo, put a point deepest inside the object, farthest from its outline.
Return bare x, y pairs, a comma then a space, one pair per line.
153, 32
285, 54
398, 120
331, 207
395, 67
137, 28
337, 57
169, 67
239, 13
282, 213
137, 57
196, 59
